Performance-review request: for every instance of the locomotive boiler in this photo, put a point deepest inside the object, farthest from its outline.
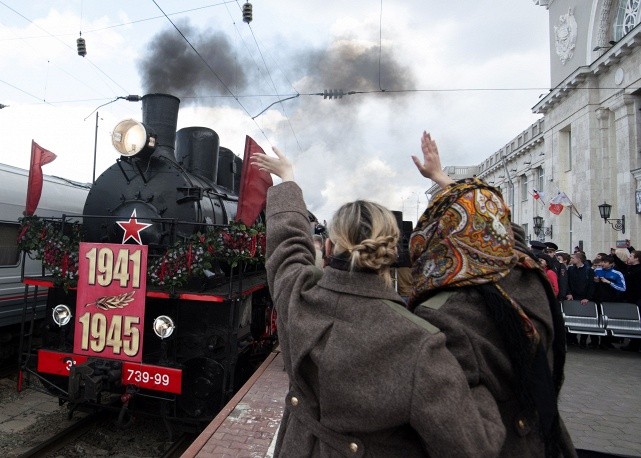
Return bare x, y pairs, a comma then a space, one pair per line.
128, 335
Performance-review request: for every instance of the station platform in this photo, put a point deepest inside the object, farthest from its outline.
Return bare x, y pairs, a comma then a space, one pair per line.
599, 402
247, 425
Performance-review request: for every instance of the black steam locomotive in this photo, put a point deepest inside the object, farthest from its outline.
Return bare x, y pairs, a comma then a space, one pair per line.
169, 310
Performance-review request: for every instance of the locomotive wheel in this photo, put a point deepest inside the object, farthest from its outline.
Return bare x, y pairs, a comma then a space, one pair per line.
203, 381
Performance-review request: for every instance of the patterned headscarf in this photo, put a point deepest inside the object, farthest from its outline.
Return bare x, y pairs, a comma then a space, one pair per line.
465, 238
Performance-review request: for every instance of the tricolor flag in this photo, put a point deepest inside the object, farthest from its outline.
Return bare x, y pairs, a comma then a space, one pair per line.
558, 202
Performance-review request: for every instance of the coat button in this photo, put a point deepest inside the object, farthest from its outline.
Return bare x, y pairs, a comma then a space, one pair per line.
353, 447
521, 424
294, 401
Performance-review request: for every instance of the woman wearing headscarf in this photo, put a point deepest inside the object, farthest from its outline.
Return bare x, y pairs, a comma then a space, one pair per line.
475, 279
367, 377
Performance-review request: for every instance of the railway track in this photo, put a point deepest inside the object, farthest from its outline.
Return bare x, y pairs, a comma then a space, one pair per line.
94, 434
64, 437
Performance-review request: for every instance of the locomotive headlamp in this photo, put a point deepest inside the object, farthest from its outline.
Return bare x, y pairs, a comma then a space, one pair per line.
131, 137
61, 315
164, 326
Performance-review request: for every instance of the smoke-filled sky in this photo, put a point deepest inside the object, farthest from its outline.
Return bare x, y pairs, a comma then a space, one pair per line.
467, 71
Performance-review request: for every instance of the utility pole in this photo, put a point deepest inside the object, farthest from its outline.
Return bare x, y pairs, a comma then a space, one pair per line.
95, 148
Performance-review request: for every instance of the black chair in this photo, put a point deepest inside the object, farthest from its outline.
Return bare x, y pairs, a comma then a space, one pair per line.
582, 319
621, 319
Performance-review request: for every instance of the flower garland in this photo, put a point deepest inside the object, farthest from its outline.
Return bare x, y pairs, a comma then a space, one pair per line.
190, 258
55, 244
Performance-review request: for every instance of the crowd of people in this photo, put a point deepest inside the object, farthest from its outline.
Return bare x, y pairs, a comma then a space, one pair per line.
613, 277
464, 356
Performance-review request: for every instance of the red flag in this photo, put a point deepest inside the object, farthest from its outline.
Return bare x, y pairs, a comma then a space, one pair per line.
556, 208
39, 157
253, 186
536, 195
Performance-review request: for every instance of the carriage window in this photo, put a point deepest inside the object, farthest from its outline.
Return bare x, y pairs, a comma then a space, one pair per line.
9, 244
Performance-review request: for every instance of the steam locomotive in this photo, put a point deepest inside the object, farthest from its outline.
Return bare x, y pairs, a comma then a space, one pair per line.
130, 336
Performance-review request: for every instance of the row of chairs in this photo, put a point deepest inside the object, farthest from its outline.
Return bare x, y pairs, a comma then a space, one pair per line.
618, 319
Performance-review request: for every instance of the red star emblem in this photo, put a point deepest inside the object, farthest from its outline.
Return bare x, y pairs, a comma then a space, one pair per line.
132, 228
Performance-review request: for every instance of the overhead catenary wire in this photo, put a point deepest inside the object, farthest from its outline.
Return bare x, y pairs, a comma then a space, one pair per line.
61, 41
280, 101
123, 24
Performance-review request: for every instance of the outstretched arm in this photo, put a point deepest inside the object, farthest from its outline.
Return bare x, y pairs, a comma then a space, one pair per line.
430, 167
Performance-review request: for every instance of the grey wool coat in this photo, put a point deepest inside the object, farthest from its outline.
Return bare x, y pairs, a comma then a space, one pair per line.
474, 339
367, 378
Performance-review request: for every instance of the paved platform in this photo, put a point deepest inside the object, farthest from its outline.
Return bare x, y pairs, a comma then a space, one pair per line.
600, 403
247, 425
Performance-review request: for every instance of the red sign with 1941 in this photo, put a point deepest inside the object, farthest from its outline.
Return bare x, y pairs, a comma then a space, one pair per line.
110, 308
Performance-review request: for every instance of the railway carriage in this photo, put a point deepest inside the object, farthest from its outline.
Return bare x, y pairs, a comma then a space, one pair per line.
59, 196
160, 304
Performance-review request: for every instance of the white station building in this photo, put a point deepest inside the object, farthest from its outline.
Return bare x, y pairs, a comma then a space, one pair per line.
588, 142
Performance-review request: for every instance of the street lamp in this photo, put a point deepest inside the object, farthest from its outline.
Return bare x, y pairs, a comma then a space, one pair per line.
540, 230
617, 224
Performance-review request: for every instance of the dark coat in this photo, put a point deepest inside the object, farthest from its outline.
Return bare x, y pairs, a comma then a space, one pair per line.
633, 284
367, 378
474, 339
581, 282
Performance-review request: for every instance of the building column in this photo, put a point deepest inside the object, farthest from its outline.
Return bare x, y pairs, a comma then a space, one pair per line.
599, 191
622, 155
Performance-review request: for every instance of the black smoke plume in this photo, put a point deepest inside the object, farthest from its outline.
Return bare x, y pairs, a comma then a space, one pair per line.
171, 66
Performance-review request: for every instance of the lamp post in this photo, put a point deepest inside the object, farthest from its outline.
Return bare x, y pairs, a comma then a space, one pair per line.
618, 224
540, 230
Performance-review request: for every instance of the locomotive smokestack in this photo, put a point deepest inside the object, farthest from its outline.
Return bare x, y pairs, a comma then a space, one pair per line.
197, 151
160, 114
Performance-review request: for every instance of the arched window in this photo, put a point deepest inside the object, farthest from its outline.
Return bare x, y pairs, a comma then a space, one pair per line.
627, 18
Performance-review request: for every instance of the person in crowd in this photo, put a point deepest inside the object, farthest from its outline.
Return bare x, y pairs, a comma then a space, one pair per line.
560, 270
537, 247
546, 263
633, 291
629, 246
621, 256
587, 261
563, 260
318, 247
609, 287
367, 377
581, 288
609, 282
404, 282
476, 281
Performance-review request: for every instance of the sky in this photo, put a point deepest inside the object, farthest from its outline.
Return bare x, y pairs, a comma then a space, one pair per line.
469, 72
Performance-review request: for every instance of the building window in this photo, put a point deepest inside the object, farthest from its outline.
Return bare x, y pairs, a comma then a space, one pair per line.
8, 244
510, 195
540, 179
565, 148
524, 192
627, 18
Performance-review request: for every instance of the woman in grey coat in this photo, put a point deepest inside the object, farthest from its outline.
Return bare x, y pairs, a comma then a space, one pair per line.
367, 378
474, 278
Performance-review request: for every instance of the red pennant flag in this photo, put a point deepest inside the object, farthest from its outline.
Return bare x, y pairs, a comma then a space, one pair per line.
39, 157
253, 186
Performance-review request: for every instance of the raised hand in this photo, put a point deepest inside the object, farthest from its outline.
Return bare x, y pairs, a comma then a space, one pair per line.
430, 167
279, 166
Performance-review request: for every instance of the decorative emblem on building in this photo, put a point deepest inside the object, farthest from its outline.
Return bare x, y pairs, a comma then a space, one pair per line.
565, 36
